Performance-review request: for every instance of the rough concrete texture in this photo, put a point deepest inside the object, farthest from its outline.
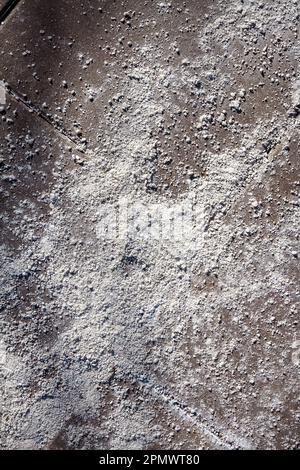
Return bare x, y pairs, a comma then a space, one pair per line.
121, 117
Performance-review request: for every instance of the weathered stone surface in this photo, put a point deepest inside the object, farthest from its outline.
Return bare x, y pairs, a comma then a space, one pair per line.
150, 183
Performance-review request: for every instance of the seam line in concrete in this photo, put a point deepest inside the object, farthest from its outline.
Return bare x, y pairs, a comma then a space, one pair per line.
8, 9
46, 117
188, 414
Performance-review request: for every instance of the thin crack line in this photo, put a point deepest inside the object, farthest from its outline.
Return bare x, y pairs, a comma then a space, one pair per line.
46, 117
8, 9
188, 414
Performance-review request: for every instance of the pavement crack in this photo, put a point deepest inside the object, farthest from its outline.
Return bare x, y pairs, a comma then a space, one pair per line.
46, 117
193, 416
8, 9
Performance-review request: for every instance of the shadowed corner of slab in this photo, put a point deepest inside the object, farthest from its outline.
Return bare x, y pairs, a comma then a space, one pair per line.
7, 8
